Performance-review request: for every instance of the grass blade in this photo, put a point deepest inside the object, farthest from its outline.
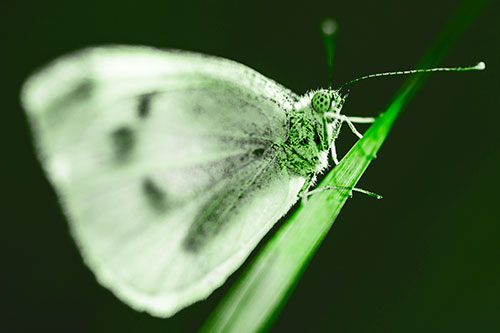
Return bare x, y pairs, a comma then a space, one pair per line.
263, 288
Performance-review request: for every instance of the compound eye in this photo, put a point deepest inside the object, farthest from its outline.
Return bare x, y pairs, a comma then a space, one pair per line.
321, 101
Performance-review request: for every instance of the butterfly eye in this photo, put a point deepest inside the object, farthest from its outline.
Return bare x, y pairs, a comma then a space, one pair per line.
321, 101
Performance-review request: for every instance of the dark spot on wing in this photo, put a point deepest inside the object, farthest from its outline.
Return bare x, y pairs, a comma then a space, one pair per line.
258, 152
197, 109
82, 90
144, 105
123, 141
155, 196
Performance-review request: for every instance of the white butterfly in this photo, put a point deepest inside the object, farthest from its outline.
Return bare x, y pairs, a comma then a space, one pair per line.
171, 166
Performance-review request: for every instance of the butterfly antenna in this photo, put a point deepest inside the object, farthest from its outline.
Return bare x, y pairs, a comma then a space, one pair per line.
478, 67
329, 33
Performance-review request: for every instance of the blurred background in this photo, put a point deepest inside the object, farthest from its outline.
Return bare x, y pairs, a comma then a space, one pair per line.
425, 258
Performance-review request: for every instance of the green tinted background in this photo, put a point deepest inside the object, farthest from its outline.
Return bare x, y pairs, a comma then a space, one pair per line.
426, 258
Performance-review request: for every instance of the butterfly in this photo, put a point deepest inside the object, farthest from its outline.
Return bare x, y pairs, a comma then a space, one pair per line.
171, 166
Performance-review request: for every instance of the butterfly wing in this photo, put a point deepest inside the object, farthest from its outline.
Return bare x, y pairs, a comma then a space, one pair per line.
165, 163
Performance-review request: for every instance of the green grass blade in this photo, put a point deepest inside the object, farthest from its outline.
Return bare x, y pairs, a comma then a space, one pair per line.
263, 288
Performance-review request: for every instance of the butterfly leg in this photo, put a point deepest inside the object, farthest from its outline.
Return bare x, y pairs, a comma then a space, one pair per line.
303, 193
343, 118
334, 153
361, 120
351, 189
351, 126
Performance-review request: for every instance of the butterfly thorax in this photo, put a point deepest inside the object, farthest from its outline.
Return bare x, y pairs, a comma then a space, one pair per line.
307, 139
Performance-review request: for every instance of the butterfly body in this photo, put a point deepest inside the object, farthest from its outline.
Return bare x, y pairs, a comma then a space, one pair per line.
310, 137
171, 166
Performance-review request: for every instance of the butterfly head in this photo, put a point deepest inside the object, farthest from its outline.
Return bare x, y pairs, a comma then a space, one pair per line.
324, 101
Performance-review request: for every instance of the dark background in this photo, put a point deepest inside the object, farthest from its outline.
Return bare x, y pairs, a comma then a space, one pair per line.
426, 258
